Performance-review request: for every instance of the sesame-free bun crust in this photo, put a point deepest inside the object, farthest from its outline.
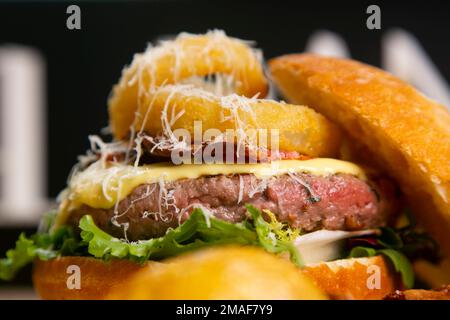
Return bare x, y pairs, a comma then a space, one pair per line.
214, 273
355, 279
405, 131
97, 277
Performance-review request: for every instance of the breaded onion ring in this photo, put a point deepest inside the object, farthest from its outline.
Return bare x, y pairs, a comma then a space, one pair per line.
300, 128
187, 57
224, 273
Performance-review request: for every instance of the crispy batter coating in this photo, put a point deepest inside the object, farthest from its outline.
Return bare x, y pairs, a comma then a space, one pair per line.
184, 57
407, 132
225, 273
300, 128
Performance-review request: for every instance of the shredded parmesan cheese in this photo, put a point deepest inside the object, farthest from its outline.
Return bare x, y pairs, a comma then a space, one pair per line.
241, 189
260, 187
296, 178
144, 68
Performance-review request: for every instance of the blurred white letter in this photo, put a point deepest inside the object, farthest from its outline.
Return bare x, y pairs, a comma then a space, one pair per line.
22, 136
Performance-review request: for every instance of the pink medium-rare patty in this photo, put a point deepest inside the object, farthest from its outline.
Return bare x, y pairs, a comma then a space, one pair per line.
304, 201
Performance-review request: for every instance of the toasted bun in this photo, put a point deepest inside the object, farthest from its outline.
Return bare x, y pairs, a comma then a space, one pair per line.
51, 278
215, 273
408, 133
361, 279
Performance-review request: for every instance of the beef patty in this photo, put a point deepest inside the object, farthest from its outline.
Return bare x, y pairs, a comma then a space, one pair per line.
305, 201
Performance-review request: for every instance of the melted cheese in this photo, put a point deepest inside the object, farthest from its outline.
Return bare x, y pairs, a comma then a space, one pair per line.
102, 187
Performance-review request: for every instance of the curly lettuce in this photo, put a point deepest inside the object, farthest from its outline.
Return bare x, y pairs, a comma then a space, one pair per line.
198, 231
272, 237
41, 246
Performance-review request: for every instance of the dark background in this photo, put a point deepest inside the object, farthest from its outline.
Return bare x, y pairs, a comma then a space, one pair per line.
82, 65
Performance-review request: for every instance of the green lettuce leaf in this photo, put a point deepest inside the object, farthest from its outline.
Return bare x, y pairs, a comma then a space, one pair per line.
401, 265
43, 246
359, 251
199, 230
270, 240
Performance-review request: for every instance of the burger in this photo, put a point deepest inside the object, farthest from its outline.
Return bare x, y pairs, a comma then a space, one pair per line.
205, 175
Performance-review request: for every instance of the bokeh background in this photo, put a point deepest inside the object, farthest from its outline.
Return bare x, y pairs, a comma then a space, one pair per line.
75, 69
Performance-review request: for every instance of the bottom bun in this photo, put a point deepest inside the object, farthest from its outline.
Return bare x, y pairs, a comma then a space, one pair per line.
358, 278
56, 279
215, 273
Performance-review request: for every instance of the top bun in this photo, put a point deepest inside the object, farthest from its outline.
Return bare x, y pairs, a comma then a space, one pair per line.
407, 132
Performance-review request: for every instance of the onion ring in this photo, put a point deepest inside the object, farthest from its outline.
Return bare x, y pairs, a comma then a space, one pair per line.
172, 107
186, 58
